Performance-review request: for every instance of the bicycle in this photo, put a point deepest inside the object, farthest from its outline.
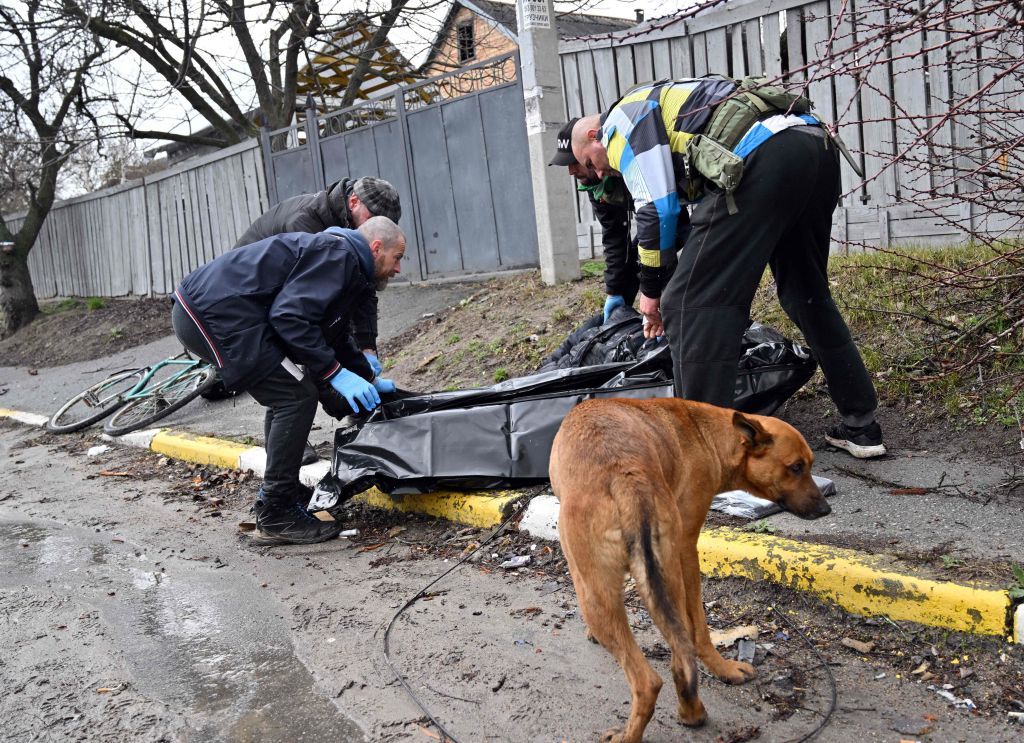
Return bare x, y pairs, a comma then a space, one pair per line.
136, 397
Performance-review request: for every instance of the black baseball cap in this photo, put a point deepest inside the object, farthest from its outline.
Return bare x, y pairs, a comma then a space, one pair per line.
563, 153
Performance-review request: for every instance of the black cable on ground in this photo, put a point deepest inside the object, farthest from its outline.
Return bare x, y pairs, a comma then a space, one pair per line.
824, 664
445, 735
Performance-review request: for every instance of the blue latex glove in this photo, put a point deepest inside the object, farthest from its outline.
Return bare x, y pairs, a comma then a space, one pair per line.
613, 301
355, 389
375, 366
384, 386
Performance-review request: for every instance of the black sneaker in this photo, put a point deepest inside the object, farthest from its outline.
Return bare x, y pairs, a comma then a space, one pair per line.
291, 524
864, 442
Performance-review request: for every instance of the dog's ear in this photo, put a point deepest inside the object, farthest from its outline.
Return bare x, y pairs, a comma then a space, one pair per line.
753, 436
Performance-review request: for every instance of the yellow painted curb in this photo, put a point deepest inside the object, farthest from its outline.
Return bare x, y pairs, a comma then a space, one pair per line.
200, 449
862, 584
859, 583
475, 509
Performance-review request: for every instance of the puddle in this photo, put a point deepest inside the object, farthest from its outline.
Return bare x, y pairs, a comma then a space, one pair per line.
195, 638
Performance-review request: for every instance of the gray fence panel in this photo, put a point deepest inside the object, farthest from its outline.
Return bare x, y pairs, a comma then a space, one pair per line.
473, 177
335, 155
459, 159
141, 237
394, 168
511, 186
439, 229
362, 154
743, 36
293, 173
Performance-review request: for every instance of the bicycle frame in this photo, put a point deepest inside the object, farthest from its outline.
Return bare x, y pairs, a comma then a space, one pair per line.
140, 390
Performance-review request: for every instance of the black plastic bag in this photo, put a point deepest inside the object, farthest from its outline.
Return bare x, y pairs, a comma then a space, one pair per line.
501, 436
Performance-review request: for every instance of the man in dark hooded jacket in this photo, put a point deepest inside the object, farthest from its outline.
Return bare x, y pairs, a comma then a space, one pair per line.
346, 203
259, 311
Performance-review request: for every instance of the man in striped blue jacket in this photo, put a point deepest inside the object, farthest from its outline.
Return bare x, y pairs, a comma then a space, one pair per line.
764, 175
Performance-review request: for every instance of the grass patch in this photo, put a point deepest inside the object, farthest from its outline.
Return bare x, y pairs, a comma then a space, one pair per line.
64, 305
95, 303
942, 327
592, 269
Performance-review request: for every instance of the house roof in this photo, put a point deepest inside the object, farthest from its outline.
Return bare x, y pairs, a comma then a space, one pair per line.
337, 53
570, 25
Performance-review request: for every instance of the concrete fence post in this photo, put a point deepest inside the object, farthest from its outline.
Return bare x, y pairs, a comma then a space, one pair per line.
545, 106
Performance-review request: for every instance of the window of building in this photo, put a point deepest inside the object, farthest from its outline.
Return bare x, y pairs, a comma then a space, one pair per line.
467, 45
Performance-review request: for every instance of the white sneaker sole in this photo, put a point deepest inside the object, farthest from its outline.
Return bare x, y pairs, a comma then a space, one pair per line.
856, 450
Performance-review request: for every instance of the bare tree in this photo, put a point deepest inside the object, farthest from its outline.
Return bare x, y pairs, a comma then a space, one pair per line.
234, 63
933, 92
46, 112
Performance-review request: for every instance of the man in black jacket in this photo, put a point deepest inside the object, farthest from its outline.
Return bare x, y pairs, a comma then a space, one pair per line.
259, 311
613, 208
346, 203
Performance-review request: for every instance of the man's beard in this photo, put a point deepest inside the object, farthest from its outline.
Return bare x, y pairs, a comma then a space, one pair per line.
381, 283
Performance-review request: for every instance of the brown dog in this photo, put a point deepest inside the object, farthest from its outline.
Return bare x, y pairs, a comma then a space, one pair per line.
635, 479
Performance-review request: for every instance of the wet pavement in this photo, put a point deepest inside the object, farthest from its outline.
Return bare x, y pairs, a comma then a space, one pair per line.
195, 640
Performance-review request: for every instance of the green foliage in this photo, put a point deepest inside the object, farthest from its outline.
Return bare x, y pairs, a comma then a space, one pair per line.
501, 374
95, 303
761, 526
63, 305
593, 298
949, 562
561, 315
116, 333
592, 269
453, 339
935, 326
1017, 586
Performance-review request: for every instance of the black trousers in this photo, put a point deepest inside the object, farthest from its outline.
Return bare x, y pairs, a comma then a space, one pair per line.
291, 404
785, 201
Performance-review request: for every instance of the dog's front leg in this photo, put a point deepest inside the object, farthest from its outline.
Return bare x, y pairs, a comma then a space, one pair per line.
730, 671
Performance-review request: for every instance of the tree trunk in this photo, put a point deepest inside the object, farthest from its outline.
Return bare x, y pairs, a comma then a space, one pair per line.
18, 303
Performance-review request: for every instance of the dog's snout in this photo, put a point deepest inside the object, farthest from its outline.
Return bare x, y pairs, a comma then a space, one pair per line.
824, 509
811, 505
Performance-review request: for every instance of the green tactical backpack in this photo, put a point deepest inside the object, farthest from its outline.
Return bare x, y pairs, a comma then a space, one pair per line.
711, 154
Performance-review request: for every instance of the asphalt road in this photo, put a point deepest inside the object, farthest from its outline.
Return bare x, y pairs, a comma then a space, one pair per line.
131, 612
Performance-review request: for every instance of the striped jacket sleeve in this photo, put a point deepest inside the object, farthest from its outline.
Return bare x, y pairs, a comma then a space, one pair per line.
638, 147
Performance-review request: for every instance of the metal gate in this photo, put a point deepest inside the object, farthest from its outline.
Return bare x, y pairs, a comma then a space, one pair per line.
455, 148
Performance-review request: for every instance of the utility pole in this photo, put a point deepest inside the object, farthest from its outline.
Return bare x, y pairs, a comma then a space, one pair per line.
545, 111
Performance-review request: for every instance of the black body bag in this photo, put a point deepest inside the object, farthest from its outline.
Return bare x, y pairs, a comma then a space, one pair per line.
500, 436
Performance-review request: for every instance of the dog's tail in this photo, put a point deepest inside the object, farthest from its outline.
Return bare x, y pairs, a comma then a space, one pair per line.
659, 582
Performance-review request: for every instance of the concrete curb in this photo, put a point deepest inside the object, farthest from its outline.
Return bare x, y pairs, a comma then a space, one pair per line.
863, 584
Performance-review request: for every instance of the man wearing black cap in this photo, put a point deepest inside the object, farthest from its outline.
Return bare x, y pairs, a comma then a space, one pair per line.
346, 203
613, 208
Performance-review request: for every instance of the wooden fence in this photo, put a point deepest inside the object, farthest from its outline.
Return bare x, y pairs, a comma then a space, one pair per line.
913, 85
142, 237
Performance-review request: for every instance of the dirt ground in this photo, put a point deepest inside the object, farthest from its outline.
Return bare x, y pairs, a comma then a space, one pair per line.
69, 331
123, 557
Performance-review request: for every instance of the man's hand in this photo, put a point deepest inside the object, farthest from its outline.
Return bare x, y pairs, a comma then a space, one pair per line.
373, 361
613, 301
651, 310
383, 386
355, 390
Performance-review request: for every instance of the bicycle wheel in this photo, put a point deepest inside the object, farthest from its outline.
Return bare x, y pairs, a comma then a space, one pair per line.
163, 401
95, 403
